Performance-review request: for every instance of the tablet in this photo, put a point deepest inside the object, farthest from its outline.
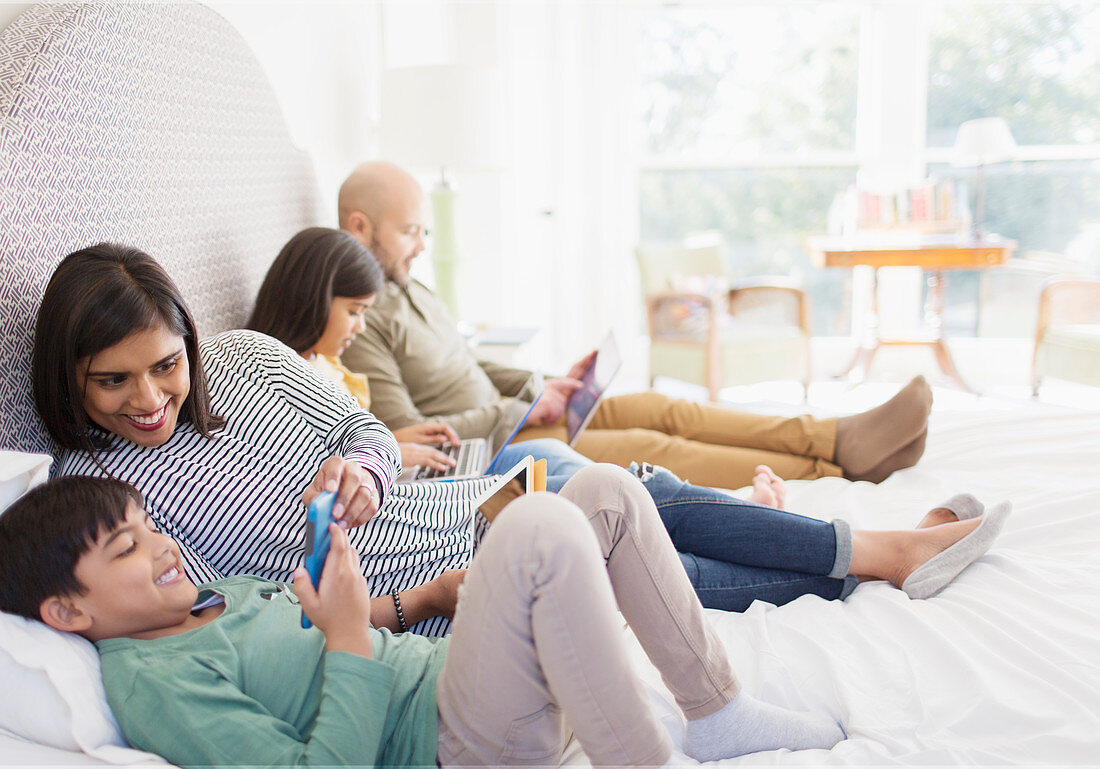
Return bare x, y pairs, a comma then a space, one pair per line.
584, 400
524, 476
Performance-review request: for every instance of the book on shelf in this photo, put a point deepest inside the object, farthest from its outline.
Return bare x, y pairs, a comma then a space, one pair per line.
935, 205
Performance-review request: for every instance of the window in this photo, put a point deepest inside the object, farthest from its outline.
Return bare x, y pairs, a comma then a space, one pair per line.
753, 118
749, 119
1038, 67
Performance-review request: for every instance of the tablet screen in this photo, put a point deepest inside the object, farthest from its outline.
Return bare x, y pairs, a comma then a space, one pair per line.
514, 482
595, 380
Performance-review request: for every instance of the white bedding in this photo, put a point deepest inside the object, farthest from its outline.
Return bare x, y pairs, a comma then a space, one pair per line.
1002, 667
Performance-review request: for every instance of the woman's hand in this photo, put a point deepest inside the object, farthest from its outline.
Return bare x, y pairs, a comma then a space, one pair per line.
356, 491
340, 605
430, 433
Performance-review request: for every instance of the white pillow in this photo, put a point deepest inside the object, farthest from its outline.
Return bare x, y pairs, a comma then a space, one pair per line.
19, 472
60, 699
53, 693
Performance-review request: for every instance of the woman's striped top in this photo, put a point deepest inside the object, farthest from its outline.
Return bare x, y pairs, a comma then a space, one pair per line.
234, 502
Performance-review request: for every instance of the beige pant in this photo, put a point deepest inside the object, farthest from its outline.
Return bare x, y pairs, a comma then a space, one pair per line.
536, 635
708, 445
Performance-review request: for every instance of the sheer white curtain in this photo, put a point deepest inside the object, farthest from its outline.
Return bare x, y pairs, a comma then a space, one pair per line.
572, 188
547, 240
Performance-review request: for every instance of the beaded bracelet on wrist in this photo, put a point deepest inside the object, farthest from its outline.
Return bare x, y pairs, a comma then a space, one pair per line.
400, 614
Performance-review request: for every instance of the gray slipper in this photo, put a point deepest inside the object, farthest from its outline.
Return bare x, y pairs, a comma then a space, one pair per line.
934, 575
966, 506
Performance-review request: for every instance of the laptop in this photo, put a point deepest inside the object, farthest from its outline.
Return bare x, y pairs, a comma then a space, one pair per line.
594, 382
475, 456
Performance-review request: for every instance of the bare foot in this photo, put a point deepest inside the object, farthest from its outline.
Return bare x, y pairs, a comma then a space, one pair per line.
929, 542
768, 488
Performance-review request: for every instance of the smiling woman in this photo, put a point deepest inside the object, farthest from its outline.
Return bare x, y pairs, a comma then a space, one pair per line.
127, 394
125, 388
129, 355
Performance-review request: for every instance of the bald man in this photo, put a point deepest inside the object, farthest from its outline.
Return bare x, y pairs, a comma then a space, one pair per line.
420, 368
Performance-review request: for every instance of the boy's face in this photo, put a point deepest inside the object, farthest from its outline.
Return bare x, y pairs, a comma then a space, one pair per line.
135, 583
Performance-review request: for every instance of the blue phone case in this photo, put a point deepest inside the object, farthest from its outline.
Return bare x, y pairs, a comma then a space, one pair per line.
317, 539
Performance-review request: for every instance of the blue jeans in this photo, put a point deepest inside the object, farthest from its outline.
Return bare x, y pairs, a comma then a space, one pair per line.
734, 551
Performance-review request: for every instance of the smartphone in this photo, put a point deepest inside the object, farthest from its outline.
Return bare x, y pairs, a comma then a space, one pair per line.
318, 540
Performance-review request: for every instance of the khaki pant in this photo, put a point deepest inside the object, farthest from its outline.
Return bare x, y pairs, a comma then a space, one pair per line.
536, 636
708, 445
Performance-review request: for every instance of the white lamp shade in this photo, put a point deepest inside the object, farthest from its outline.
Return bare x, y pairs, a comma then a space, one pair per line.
443, 117
985, 140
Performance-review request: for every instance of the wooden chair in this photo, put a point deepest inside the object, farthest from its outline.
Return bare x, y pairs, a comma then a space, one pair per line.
1067, 335
706, 330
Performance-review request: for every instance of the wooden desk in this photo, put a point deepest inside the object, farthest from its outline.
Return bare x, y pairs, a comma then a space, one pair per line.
932, 253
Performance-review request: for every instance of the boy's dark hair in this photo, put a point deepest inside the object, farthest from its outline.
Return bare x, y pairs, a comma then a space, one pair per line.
46, 531
97, 297
314, 267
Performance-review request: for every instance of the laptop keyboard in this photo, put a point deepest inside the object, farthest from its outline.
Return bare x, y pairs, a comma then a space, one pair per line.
467, 456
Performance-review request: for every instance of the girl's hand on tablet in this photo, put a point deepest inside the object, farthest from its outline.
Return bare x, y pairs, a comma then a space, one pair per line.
413, 454
431, 433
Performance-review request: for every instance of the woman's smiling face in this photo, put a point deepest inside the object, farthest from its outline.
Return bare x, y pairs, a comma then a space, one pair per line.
137, 387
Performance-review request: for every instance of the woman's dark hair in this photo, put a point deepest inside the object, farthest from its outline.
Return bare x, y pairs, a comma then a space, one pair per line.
315, 266
97, 297
45, 532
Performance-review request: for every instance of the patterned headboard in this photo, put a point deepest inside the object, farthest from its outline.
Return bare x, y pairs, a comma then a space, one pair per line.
152, 125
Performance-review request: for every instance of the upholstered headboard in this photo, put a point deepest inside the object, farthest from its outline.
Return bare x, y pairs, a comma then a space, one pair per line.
152, 125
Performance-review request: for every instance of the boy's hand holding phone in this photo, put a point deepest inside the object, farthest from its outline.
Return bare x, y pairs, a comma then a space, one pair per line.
340, 604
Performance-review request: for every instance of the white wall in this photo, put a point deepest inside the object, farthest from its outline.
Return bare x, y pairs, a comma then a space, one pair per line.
547, 239
8, 12
323, 63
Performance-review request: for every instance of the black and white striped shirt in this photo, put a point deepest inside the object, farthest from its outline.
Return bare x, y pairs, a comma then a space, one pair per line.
234, 502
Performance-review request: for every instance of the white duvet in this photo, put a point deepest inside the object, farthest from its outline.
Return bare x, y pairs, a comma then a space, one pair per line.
1003, 666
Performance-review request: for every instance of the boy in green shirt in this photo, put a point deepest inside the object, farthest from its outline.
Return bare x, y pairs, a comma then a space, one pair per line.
224, 674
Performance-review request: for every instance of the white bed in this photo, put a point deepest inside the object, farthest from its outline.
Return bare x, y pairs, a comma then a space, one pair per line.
1003, 667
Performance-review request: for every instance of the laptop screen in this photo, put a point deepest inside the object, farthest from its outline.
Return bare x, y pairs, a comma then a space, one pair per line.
515, 416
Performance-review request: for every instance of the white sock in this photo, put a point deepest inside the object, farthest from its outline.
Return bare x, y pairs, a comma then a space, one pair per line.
747, 725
